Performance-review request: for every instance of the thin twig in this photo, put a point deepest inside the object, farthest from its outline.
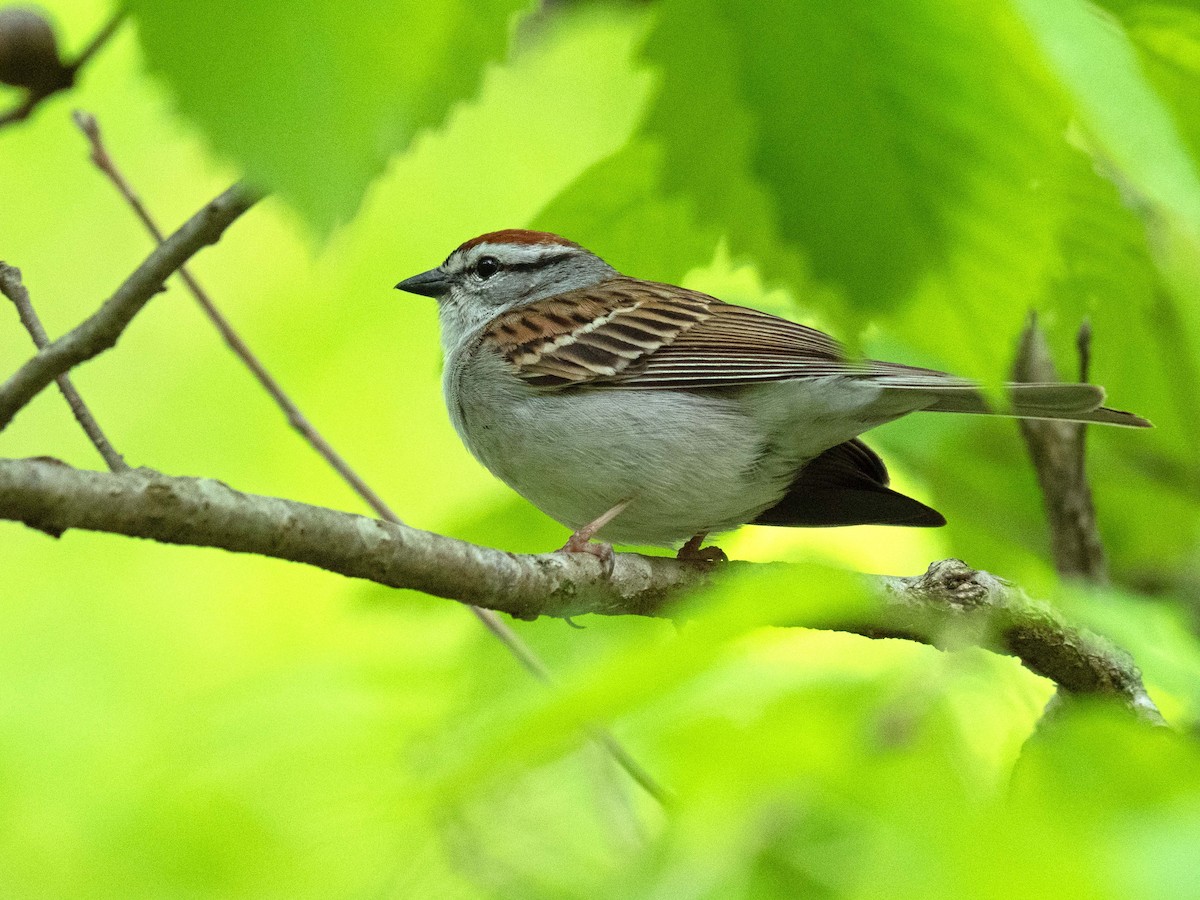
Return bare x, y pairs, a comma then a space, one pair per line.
950, 606
22, 110
104, 162
521, 651
69, 73
1057, 450
14, 289
102, 330
602, 736
1083, 344
102, 37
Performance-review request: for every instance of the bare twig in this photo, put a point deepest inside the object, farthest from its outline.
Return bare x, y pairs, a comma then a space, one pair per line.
1083, 344
67, 74
949, 606
22, 110
521, 651
102, 330
104, 162
102, 36
14, 289
1057, 450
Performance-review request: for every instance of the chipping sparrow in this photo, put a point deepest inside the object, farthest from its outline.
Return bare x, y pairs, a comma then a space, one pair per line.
647, 413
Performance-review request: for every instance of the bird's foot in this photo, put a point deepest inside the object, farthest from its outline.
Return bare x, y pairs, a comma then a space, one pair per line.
582, 543
581, 540
693, 552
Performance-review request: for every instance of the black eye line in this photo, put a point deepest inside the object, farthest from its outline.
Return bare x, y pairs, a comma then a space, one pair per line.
538, 263
535, 264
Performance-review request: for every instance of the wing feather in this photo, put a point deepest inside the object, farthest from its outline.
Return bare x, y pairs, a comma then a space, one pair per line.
597, 335
631, 334
634, 334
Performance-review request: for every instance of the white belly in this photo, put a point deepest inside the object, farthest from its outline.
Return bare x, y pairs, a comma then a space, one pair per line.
687, 462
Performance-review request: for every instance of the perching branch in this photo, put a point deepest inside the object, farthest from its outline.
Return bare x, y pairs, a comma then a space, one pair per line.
101, 331
14, 289
1057, 450
499, 629
949, 605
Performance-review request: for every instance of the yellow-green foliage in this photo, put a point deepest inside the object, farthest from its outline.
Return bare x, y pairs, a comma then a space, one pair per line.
916, 176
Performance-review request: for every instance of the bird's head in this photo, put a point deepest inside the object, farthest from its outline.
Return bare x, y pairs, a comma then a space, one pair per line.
498, 271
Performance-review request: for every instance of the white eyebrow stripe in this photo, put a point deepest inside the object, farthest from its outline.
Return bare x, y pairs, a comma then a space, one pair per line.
519, 254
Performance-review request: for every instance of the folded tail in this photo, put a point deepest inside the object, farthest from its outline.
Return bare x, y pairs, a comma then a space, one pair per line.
1067, 402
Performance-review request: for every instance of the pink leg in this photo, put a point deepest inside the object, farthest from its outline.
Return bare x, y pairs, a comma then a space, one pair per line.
581, 540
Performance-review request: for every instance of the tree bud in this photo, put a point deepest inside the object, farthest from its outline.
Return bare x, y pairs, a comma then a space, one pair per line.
29, 52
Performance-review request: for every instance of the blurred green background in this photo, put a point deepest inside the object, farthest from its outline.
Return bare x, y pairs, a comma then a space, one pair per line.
915, 176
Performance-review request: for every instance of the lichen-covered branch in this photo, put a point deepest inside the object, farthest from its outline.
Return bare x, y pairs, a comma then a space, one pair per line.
948, 606
953, 605
101, 331
54, 497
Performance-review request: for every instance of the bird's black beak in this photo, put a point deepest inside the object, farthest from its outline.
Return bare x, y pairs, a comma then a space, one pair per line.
427, 284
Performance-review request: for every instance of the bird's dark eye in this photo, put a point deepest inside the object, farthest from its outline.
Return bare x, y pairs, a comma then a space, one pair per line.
487, 267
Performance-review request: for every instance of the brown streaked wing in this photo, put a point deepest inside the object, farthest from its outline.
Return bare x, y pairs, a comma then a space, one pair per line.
739, 345
597, 334
642, 335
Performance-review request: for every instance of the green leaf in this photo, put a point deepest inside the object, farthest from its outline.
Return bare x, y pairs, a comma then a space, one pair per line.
889, 150
973, 467
1167, 40
617, 208
312, 99
639, 670
875, 146
1157, 634
1156, 63
1134, 130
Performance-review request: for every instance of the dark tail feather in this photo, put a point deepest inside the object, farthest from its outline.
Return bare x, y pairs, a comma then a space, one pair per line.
1106, 416
847, 485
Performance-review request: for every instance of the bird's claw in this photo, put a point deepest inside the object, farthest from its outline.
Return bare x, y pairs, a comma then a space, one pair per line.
693, 552
581, 540
580, 543
712, 555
